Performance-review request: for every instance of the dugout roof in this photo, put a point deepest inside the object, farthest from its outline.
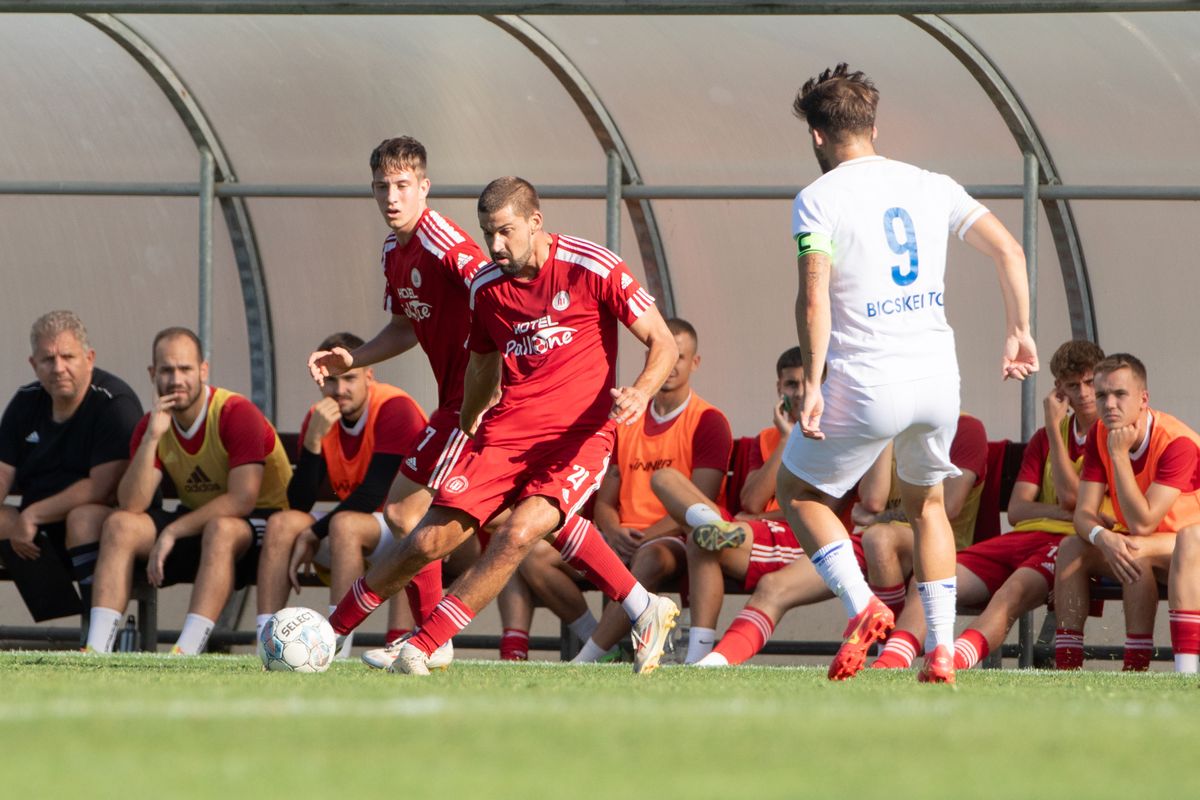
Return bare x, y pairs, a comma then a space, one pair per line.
106, 107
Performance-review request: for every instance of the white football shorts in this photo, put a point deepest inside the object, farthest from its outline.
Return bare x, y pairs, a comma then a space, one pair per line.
322, 559
920, 416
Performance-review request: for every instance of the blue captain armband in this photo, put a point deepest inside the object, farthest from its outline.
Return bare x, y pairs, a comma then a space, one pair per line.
807, 243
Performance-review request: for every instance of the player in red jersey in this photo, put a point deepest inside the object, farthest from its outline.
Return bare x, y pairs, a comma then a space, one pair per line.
428, 265
545, 330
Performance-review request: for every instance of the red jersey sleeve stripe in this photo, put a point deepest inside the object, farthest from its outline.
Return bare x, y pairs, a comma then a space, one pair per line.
486, 275
584, 247
436, 221
429, 244
433, 237
640, 302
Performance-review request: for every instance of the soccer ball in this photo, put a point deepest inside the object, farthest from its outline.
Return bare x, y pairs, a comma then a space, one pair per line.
297, 640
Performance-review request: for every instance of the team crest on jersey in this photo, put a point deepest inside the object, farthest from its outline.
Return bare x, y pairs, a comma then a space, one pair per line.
561, 301
456, 485
626, 279
415, 278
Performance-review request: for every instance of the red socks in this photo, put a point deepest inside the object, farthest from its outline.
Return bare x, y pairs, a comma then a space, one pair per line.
352, 609
1185, 632
1139, 648
395, 633
747, 634
582, 546
424, 592
970, 649
449, 617
892, 596
514, 645
1068, 649
900, 651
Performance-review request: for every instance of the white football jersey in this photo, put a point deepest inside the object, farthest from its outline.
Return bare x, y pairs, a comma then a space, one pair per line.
888, 223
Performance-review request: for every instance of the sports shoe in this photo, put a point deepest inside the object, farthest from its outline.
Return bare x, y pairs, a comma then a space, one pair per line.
939, 666
410, 661
720, 535
383, 657
650, 633
867, 627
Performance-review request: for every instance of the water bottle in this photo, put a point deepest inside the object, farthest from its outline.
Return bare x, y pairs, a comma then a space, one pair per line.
127, 638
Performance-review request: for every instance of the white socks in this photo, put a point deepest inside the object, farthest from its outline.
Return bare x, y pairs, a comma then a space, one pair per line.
346, 643
701, 641
102, 629
637, 601
938, 598
713, 660
194, 635
837, 566
590, 653
700, 514
584, 627
1186, 662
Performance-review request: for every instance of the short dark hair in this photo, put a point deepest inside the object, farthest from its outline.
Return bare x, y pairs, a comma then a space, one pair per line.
177, 332
791, 358
340, 339
1075, 358
509, 191
1121, 361
398, 154
677, 325
838, 102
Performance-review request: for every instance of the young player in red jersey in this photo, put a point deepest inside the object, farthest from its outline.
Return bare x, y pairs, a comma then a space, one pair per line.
544, 329
428, 264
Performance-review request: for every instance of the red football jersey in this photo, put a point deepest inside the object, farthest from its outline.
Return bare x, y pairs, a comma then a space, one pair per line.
427, 281
558, 337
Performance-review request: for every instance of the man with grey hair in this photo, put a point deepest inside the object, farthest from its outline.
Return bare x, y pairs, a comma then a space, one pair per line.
64, 444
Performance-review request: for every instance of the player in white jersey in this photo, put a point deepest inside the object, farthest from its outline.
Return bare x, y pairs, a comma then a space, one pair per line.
871, 241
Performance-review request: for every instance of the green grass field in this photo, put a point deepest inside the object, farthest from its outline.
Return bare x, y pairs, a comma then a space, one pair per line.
130, 726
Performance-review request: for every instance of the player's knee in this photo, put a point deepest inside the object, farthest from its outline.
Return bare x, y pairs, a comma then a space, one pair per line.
224, 535
343, 532
652, 564
119, 531
1187, 543
769, 589
1070, 553
663, 479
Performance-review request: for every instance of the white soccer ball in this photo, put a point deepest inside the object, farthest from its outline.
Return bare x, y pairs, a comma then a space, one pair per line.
297, 640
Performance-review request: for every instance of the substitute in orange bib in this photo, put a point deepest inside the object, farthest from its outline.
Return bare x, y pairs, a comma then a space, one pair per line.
354, 439
231, 472
1147, 463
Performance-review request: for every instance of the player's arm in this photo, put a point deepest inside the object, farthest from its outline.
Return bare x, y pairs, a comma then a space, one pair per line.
1023, 504
479, 385
1142, 512
1118, 550
136, 490
621, 539
368, 495
630, 402
812, 327
873, 490
98, 487
955, 492
989, 236
8, 476
239, 500
759, 486
395, 338
1062, 468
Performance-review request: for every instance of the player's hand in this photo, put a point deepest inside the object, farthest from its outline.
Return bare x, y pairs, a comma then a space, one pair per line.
22, 540
325, 415
1121, 440
629, 403
1121, 554
1054, 408
624, 541
162, 548
812, 406
324, 363
304, 550
1020, 356
782, 416
160, 414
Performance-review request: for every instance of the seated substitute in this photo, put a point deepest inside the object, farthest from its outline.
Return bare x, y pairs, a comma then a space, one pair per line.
231, 472
682, 431
354, 439
1147, 464
798, 583
1014, 573
758, 542
64, 444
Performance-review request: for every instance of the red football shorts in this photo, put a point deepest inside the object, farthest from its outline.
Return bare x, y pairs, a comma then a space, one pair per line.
994, 560
438, 449
490, 479
773, 548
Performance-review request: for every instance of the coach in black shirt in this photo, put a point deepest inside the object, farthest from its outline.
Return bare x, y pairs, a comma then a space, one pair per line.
64, 444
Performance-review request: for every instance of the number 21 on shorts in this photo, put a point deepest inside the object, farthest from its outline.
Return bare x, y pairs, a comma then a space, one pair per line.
901, 275
577, 478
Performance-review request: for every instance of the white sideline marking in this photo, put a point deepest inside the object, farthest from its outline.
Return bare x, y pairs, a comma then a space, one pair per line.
215, 708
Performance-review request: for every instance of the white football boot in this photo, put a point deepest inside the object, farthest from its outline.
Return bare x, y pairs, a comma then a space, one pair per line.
384, 657
650, 633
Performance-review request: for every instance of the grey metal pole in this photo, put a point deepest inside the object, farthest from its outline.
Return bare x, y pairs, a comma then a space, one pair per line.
1029, 398
207, 198
612, 203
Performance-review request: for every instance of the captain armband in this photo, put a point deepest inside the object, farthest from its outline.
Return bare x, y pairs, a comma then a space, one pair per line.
807, 243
